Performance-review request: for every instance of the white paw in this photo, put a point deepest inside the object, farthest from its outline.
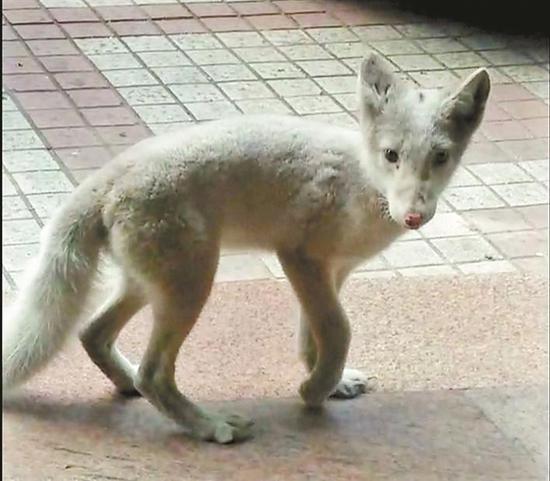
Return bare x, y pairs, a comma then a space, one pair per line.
353, 384
224, 429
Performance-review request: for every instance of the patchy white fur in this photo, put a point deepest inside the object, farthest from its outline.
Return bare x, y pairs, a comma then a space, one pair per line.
324, 198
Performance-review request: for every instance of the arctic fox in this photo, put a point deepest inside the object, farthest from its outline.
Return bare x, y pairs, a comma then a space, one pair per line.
323, 198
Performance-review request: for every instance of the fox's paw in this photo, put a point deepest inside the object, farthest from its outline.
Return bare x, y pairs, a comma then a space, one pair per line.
353, 384
223, 429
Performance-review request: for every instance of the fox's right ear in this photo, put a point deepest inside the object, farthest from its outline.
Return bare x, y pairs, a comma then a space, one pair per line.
377, 84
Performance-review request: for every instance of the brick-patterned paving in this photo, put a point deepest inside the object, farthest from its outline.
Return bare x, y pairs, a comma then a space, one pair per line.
84, 78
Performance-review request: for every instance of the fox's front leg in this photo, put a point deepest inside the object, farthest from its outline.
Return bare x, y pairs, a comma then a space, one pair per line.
328, 326
353, 382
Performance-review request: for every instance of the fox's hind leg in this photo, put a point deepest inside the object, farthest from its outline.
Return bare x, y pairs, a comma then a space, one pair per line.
99, 335
178, 293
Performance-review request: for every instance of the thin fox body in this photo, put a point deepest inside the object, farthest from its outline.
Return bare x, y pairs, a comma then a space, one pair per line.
322, 197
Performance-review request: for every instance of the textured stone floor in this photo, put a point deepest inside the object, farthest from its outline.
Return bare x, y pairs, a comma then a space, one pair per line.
462, 392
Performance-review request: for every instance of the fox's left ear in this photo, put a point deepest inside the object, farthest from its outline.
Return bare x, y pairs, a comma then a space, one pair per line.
465, 107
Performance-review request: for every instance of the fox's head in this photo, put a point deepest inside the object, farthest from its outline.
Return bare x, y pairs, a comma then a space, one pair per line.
414, 137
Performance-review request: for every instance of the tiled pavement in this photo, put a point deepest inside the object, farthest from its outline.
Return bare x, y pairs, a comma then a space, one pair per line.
82, 79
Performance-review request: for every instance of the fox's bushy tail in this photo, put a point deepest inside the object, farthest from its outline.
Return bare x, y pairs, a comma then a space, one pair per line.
53, 294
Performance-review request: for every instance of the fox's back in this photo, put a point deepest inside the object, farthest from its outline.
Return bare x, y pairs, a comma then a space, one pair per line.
262, 174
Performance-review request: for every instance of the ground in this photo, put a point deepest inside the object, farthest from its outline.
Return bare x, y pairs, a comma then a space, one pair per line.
452, 319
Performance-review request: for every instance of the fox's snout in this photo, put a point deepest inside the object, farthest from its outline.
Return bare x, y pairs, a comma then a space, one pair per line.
413, 220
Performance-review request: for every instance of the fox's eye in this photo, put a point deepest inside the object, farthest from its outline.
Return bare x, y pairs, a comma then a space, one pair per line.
441, 158
391, 155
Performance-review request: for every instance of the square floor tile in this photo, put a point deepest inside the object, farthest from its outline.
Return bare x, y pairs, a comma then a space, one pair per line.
461, 59
274, 266
45, 205
263, 106
537, 168
487, 267
20, 140
161, 113
320, 68
164, 59
521, 243
526, 73
527, 193
338, 84
7, 104
532, 149
440, 45
212, 57
540, 88
242, 39
259, 54
96, 46
500, 173
246, 90
304, 52
163, 128
422, 30
16, 258
313, 104
14, 208
232, 72
196, 92
25, 160
536, 215
294, 87
275, 70
146, 95
129, 78
483, 41
475, 197
347, 49
395, 47
43, 182
212, 110
331, 34
23, 231
446, 225
462, 177
14, 121
241, 267
149, 43
466, 249
114, 61
342, 119
376, 32
348, 101
489, 221
411, 63
287, 37
434, 79
505, 57
411, 254
180, 75
196, 41
7, 187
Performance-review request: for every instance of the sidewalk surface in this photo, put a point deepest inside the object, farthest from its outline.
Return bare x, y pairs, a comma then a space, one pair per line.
460, 353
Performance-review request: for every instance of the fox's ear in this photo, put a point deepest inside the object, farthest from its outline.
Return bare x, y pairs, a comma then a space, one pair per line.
377, 83
465, 107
